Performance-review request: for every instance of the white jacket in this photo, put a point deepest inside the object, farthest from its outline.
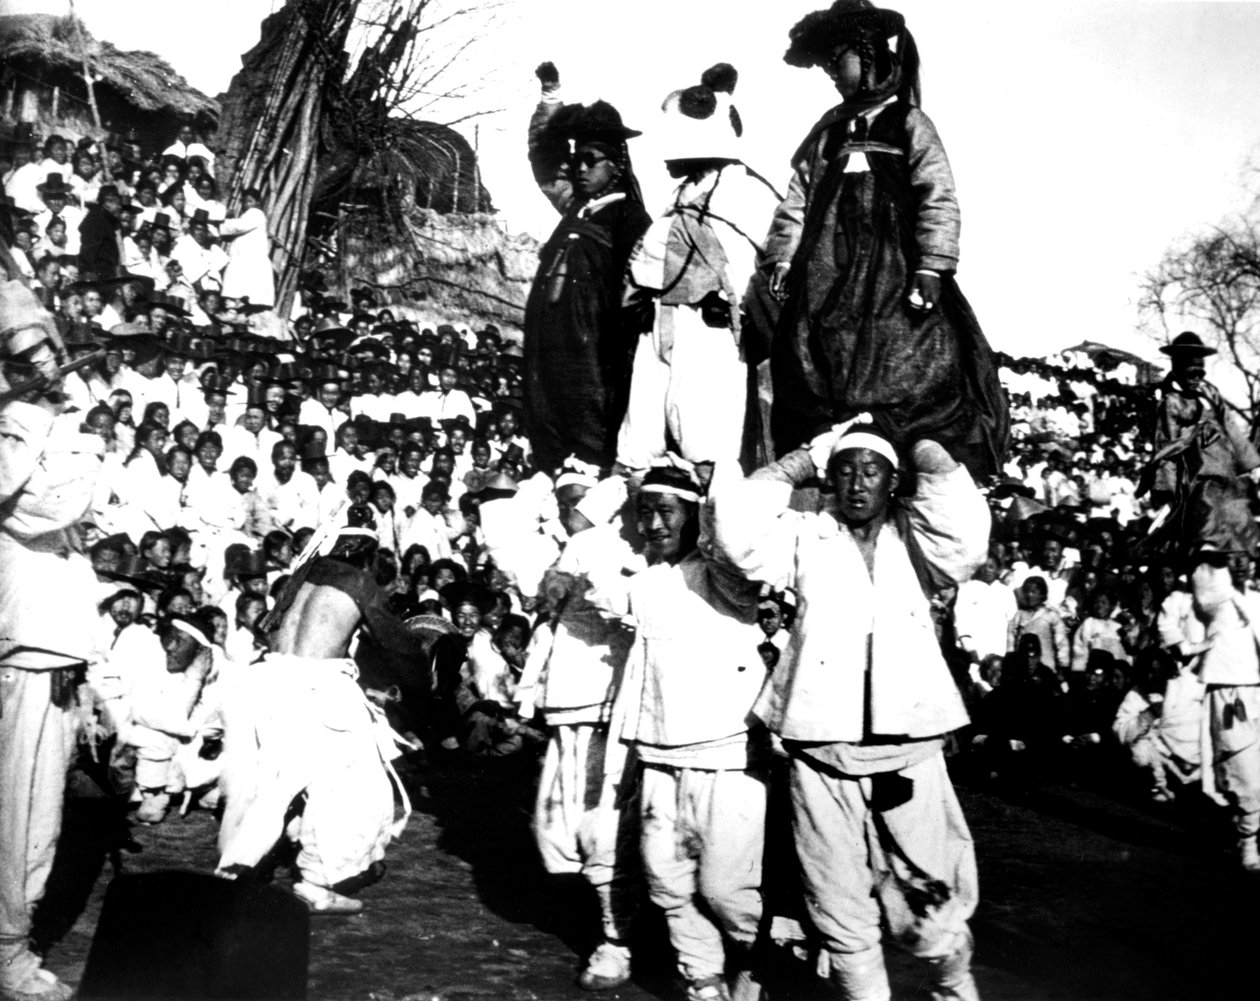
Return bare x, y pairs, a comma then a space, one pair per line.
848, 622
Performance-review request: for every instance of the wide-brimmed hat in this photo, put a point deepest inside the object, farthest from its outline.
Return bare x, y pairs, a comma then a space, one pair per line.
54, 184
327, 304
1188, 343
598, 122
497, 486
241, 561
199, 216
236, 350
1012, 487
185, 345
321, 374
330, 330
460, 421
134, 569
814, 37
250, 308
429, 627
283, 373
369, 345
136, 337
172, 304
83, 335
465, 592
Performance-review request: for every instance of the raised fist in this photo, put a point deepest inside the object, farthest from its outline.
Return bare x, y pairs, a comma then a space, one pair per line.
548, 76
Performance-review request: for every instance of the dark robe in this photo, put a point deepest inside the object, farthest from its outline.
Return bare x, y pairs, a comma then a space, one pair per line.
100, 246
578, 348
847, 340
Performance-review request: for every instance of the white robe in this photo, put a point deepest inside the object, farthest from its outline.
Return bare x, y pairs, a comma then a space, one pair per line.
248, 273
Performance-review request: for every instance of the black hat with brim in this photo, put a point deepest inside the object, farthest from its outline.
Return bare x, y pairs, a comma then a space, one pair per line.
1012, 487
1188, 343
599, 122
814, 37
465, 592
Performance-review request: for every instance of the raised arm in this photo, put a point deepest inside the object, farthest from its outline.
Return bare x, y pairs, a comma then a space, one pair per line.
947, 516
548, 153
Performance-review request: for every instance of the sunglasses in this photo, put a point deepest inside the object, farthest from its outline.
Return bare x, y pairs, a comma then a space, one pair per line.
589, 159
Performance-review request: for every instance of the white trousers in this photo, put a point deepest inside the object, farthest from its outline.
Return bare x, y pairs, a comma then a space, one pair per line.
584, 821
302, 725
909, 864
703, 835
688, 382
35, 742
1234, 719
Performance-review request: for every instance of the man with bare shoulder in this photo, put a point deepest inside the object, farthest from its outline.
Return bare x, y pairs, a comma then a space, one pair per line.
298, 727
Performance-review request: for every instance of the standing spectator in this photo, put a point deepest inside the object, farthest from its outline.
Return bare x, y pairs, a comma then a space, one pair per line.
248, 274
47, 609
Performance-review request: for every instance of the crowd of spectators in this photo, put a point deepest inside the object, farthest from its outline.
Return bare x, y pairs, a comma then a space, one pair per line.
231, 454
1078, 637
228, 450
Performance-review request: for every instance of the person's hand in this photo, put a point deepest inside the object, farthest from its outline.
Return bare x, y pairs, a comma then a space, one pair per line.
548, 76
778, 281
1254, 475
925, 292
821, 445
931, 457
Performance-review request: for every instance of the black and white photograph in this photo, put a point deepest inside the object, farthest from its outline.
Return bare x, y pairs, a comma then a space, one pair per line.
684, 500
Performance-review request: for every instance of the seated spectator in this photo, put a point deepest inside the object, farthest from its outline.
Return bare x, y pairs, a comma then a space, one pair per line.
1160, 723
1036, 618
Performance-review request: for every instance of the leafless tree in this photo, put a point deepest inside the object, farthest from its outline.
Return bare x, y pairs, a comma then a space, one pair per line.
1211, 280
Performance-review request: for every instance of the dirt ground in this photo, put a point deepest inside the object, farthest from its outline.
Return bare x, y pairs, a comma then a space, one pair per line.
1083, 897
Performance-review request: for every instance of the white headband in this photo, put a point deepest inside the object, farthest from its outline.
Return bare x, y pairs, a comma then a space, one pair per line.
357, 530
191, 630
572, 478
665, 488
575, 472
871, 442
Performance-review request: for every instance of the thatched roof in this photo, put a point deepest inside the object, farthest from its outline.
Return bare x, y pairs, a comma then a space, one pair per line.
143, 79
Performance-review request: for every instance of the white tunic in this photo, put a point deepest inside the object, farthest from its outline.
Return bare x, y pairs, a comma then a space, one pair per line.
248, 273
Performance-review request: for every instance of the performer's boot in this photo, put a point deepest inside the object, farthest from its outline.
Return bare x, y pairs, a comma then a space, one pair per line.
861, 976
606, 968
951, 975
745, 974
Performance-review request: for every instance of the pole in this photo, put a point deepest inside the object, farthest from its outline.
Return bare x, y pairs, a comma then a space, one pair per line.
87, 80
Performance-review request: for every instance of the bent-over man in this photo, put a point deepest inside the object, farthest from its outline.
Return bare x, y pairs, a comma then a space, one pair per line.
298, 724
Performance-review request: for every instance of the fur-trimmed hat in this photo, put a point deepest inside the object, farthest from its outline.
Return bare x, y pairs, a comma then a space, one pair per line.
701, 123
814, 37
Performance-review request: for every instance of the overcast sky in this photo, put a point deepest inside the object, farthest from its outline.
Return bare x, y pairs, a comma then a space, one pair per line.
1085, 136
